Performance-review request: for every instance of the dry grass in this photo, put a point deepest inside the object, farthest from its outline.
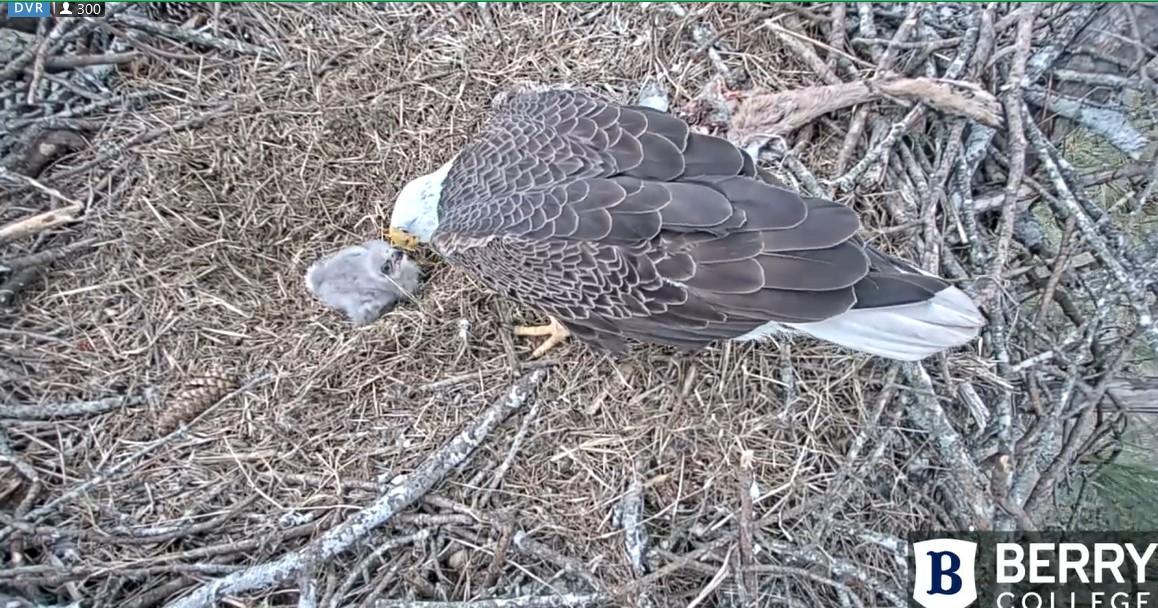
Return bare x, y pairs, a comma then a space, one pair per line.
204, 236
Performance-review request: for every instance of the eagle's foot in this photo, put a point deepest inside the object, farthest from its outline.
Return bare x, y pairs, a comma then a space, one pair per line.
555, 332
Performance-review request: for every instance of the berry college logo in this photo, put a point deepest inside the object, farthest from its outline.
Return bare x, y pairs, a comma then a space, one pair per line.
944, 573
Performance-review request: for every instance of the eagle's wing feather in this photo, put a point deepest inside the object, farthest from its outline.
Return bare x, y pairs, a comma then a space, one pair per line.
620, 222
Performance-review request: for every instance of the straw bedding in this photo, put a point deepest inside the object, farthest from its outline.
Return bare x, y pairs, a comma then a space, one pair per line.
180, 409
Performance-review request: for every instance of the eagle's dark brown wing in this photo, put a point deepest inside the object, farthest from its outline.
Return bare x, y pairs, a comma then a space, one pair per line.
622, 223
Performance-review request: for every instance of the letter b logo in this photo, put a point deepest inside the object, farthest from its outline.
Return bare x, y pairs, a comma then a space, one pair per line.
945, 565
943, 576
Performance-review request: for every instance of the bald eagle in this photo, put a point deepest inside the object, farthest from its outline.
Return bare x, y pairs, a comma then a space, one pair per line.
619, 222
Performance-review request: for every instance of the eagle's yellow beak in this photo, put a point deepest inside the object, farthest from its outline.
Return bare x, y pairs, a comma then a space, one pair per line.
403, 240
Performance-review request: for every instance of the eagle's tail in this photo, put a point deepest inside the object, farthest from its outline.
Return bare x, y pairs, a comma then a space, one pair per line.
907, 332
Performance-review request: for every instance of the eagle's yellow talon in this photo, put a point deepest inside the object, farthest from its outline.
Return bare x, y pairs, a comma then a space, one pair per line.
555, 332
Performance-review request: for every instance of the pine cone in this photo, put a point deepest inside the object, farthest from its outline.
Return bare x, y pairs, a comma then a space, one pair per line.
194, 397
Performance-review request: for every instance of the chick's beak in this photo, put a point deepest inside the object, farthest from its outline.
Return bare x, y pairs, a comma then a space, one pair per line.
403, 240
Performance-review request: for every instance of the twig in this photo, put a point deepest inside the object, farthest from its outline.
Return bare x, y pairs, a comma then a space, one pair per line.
837, 33
1140, 200
1016, 133
1112, 125
808, 181
1060, 263
884, 64
17, 64
516, 443
838, 567
1061, 463
630, 517
54, 575
363, 565
867, 27
158, 593
787, 373
749, 588
803, 50
566, 600
42, 221
974, 404
530, 546
932, 198
80, 110
34, 224
114, 469
1068, 206
1072, 22
1111, 81
24, 469
438, 385
58, 32
431, 471
56, 64
929, 415
849, 179
307, 589
921, 45
194, 122
889, 57
175, 32
48, 256
673, 566
133, 537
855, 129
844, 590
75, 408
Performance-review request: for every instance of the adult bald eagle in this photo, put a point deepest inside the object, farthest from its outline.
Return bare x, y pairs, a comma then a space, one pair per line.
620, 222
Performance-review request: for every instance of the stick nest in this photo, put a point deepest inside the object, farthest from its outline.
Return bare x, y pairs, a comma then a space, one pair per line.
179, 409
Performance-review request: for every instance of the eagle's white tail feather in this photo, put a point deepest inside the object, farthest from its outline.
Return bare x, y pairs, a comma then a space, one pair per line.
909, 333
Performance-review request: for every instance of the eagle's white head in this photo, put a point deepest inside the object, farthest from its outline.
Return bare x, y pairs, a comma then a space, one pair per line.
415, 215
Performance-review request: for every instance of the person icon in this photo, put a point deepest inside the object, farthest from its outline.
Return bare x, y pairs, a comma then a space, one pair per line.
64, 9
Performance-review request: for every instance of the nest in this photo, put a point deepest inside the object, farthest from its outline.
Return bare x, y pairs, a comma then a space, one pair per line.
184, 424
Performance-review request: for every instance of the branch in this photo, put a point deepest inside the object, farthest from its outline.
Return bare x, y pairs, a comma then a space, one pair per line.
762, 116
534, 548
1067, 206
1110, 124
1111, 81
930, 417
1073, 21
631, 519
57, 64
568, 600
1014, 117
175, 32
75, 408
979, 107
42, 221
48, 256
431, 471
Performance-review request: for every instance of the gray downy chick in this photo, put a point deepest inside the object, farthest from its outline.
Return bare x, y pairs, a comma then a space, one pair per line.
364, 281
